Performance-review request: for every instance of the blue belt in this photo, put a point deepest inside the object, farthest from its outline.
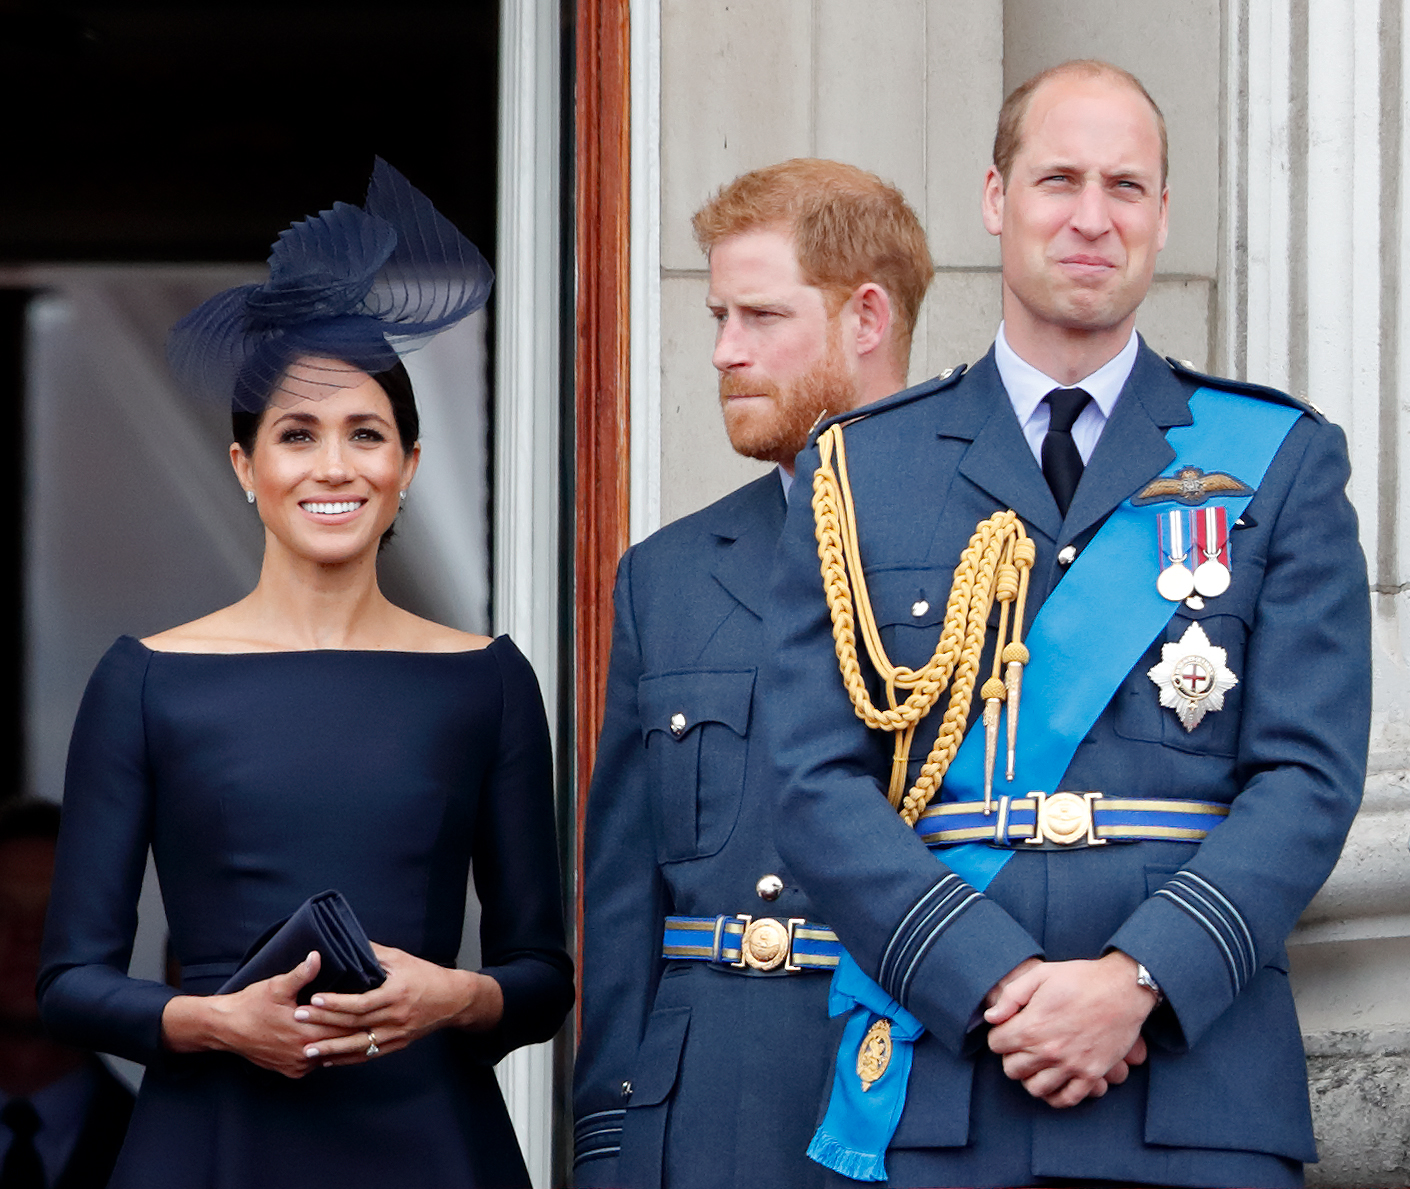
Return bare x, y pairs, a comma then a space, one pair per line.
749, 945
1064, 821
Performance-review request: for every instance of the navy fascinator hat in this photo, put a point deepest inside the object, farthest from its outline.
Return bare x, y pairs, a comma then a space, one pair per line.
349, 288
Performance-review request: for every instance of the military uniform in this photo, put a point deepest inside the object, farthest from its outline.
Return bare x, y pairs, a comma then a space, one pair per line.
692, 1073
1223, 1097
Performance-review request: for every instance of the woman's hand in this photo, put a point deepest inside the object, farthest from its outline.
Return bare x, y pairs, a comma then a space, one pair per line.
258, 1023
418, 997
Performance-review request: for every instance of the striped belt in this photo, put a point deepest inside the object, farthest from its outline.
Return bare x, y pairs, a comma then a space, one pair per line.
1065, 821
752, 944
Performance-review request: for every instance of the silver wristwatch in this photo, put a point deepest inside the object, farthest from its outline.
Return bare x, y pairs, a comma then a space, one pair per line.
1143, 979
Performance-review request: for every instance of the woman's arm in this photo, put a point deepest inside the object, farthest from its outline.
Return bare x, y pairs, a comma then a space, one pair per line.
85, 995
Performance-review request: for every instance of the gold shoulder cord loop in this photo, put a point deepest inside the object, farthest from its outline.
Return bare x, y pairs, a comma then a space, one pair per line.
995, 564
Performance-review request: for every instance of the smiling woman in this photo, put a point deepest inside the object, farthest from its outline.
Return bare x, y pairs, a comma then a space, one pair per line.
315, 735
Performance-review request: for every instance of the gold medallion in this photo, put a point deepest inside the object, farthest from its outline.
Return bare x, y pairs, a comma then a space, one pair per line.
1193, 676
874, 1055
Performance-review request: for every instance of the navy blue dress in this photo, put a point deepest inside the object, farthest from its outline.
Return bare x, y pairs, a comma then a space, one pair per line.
259, 779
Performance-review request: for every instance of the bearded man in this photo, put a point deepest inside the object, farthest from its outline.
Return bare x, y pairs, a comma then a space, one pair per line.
704, 967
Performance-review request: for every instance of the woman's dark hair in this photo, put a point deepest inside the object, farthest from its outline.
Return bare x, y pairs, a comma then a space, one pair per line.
395, 382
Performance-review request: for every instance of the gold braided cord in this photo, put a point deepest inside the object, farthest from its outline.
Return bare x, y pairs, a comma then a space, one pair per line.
999, 555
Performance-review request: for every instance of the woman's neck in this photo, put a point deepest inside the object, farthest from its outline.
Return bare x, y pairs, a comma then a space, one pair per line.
301, 604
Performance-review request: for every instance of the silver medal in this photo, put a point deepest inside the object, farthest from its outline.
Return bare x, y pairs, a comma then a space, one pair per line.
1211, 578
1175, 582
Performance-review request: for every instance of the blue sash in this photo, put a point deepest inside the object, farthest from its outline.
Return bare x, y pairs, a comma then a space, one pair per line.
1078, 662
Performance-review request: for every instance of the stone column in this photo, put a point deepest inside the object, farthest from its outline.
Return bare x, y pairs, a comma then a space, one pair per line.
1311, 278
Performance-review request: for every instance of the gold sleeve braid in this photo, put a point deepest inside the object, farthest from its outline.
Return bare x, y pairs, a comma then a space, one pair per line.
995, 564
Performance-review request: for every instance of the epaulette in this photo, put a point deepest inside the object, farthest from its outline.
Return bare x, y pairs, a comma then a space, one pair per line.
1183, 367
906, 396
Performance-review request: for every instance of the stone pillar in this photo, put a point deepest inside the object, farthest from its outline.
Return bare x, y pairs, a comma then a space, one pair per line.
1311, 279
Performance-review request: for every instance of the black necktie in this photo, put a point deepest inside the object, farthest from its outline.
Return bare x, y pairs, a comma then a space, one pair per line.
22, 1168
1062, 464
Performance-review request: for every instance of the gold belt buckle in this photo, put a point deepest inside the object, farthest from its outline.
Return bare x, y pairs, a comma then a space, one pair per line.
1064, 819
766, 944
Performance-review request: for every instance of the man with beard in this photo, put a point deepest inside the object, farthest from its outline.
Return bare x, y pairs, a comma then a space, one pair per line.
1065, 939
63, 1116
705, 971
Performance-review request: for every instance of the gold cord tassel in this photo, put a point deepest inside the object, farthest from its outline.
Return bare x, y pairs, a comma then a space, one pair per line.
998, 543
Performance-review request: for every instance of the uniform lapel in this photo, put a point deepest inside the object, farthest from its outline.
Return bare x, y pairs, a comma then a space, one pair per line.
749, 532
998, 459
1132, 449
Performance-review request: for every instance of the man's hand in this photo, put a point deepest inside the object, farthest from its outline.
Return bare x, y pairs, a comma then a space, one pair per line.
1068, 1030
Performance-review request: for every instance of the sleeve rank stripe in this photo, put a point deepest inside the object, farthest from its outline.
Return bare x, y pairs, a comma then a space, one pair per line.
1234, 920
888, 955
925, 946
619, 1113
940, 906
1234, 942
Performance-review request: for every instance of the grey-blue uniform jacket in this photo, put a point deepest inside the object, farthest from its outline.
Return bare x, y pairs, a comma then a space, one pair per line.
1223, 1099
689, 1073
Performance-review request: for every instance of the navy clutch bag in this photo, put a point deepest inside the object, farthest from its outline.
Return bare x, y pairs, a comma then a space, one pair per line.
325, 923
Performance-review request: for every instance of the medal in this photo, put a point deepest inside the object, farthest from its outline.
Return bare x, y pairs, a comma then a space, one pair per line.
874, 1053
1176, 582
1192, 676
1212, 538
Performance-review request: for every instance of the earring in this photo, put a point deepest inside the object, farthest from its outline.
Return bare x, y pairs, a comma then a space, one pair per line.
402, 495
249, 496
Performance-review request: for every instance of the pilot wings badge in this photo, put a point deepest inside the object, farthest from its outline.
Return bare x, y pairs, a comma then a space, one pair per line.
1190, 486
1193, 676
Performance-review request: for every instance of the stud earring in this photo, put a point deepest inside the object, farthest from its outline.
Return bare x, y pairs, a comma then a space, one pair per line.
401, 495
249, 496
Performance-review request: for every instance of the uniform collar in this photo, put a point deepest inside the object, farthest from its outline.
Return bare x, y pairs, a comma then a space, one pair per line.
1027, 386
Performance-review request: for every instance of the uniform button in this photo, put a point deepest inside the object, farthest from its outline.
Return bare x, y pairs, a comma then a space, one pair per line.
919, 608
1067, 555
677, 724
769, 887
626, 1089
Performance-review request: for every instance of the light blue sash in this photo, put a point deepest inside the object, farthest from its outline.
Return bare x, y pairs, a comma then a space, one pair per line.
1083, 643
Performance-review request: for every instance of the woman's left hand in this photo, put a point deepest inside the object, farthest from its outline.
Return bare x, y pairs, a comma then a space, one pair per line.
418, 997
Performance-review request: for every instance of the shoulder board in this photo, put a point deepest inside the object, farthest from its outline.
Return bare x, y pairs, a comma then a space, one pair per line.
1185, 369
906, 396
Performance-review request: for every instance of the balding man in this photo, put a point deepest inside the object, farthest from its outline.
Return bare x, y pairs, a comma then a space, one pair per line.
1066, 934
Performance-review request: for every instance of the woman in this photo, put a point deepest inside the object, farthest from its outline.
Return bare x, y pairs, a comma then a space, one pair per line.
315, 736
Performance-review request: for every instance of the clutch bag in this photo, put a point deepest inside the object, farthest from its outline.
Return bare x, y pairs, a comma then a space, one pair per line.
325, 923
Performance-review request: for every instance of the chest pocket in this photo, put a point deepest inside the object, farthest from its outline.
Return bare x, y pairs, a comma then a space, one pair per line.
695, 726
909, 605
1226, 621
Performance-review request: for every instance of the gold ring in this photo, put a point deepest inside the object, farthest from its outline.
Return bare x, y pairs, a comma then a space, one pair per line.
372, 1049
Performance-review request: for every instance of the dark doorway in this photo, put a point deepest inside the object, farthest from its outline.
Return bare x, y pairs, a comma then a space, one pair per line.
177, 132
155, 134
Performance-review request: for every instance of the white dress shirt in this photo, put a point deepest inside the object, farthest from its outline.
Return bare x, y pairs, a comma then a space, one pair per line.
1027, 386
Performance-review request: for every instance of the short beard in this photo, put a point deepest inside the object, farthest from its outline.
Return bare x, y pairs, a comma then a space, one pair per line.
780, 433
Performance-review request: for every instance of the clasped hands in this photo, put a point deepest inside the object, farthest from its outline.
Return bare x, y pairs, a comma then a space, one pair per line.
267, 1025
1069, 1030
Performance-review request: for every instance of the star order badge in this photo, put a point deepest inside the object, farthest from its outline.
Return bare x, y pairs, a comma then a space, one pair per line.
1193, 676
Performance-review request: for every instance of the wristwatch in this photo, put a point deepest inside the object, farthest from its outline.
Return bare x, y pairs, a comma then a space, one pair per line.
1143, 979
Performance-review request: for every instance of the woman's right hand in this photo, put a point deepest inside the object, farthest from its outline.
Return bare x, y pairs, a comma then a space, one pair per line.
257, 1023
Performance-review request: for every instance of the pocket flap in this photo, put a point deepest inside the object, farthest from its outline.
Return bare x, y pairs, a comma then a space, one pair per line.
678, 702
658, 1060
912, 596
